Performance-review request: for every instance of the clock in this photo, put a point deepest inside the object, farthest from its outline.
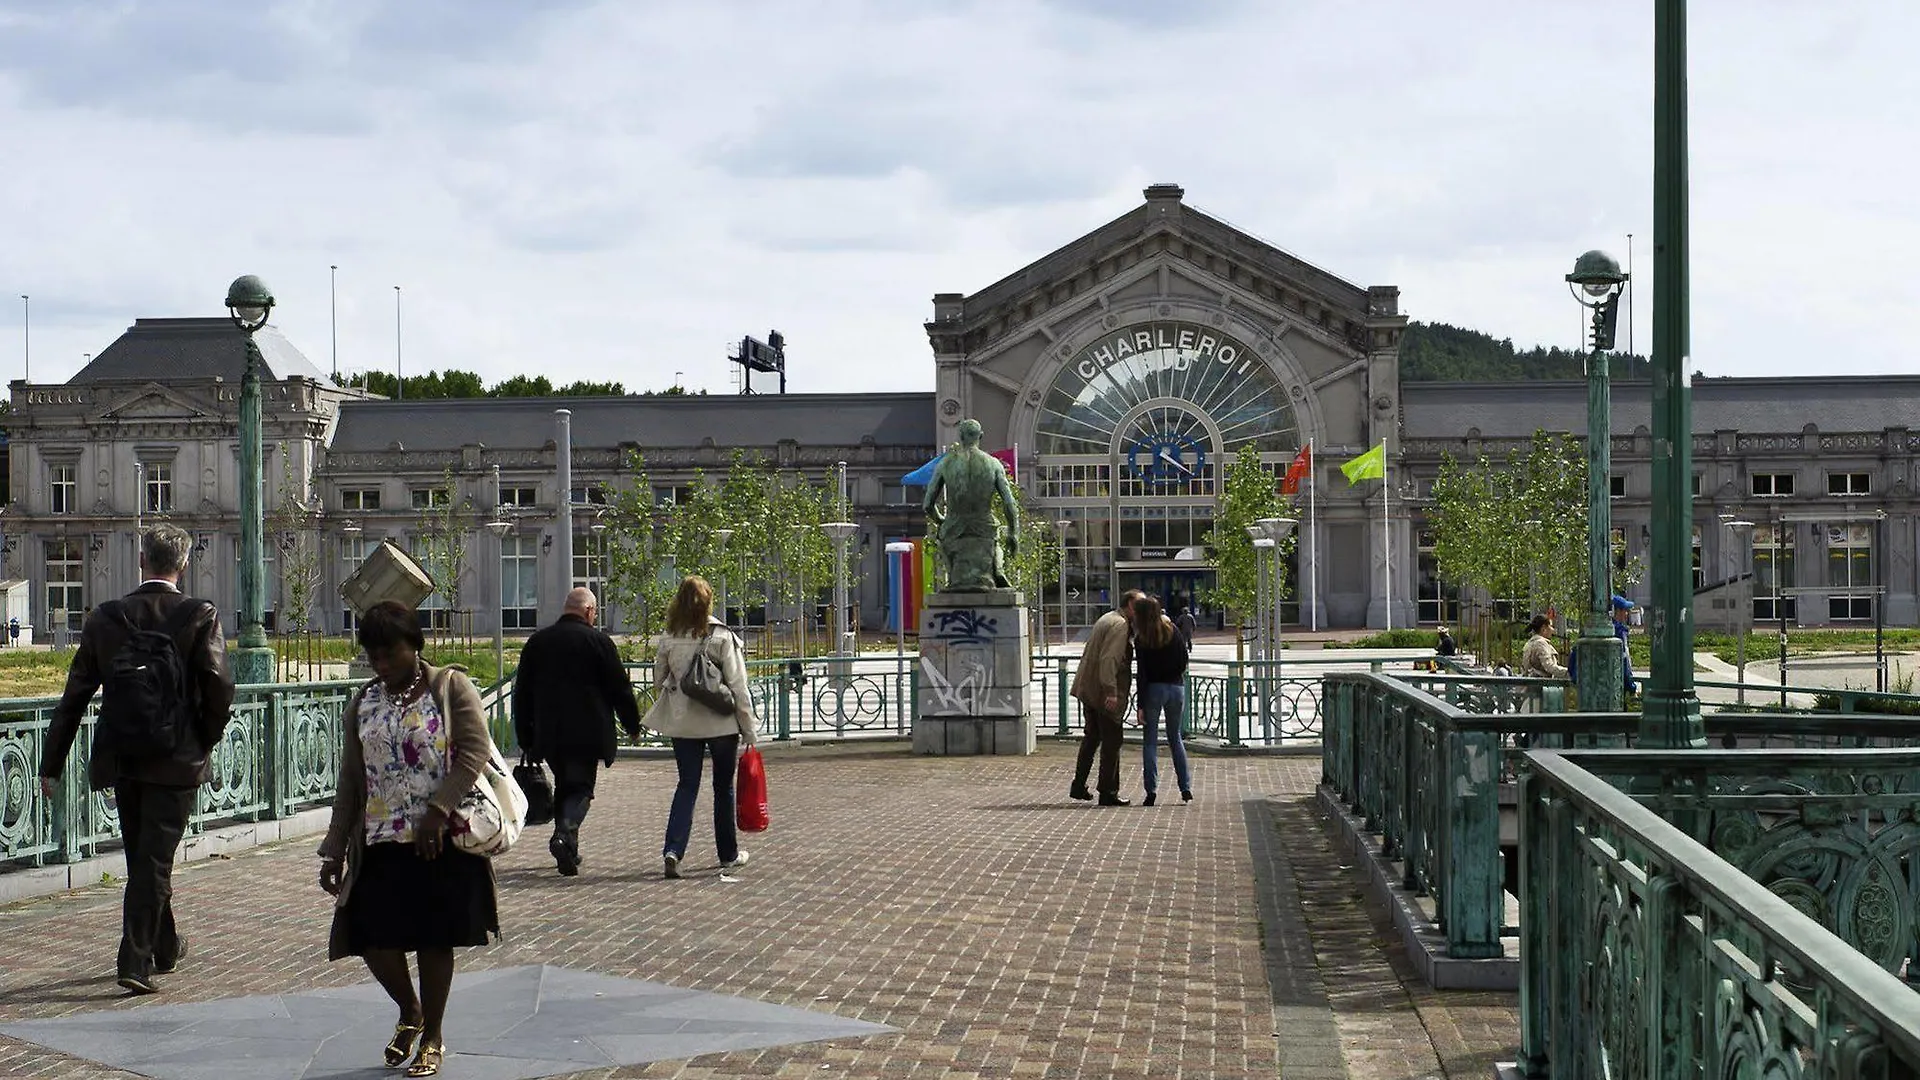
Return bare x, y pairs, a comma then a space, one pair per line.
1165, 458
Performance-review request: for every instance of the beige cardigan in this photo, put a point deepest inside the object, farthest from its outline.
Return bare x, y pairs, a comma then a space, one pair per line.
678, 716
1106, 665
471, 745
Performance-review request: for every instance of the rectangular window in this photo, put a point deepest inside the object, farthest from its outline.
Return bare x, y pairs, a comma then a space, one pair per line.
429, 497
1773, 573
1617, 486
590, 563
519, 582
66, 583
158, 497
1696, 485
433, 610
518, 496
1850, 572
893, 494
595, 494
1439, 602
1699, 577
1772, 485
665, 494
1847, 483
360, 499
353, 551
64, 488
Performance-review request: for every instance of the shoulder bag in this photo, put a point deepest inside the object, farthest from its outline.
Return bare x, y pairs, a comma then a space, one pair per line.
704, 682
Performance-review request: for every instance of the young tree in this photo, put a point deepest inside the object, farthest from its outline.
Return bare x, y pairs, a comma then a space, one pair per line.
1037, 564
440, 539
291, 527
639, 569
1248, 492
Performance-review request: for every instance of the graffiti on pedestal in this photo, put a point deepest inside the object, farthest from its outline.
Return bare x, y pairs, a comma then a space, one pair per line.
957, 664
963, 624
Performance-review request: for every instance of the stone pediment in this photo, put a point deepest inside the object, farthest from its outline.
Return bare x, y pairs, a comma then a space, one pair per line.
156, 402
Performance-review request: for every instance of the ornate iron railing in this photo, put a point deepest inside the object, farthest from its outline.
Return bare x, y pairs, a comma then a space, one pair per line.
1643, 953
1426, 775
280, 755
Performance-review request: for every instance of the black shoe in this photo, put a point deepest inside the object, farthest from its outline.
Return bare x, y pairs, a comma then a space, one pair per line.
566, 857
1114, 800
1186, 795
1148, 801
1079, 791
167, 966
137, 984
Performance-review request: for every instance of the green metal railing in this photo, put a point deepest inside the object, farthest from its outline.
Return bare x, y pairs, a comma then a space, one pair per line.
1645, 953
280, 755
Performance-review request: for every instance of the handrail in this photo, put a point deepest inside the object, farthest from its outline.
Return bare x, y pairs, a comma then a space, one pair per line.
1685, 894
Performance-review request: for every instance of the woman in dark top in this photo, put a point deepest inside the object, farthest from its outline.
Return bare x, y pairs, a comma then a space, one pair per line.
1160, 683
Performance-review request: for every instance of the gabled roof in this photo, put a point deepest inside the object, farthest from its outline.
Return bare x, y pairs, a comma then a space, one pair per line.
1836, 403
730, 420
174, 349
1163, 211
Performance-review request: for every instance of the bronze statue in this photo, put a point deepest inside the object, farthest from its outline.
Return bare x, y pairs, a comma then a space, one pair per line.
969, 538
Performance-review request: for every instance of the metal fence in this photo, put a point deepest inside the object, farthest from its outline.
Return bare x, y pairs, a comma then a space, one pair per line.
280, 755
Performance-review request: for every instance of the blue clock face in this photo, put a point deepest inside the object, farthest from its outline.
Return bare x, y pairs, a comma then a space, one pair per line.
1165, 458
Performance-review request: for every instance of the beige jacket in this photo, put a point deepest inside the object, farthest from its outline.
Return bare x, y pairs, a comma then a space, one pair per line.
1106, 666
468, 740
1539, 660
678, 716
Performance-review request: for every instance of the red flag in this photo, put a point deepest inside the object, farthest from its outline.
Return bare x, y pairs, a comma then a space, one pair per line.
1301, 468
1010, 457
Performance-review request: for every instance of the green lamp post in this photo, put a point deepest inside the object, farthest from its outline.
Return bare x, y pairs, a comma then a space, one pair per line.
1596, 282
1671, 715
249, 302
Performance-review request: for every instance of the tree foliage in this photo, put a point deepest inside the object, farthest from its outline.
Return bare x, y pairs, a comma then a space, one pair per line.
1437, 352
1037, 564
452, 383
293, 527
1248, 492
440, 539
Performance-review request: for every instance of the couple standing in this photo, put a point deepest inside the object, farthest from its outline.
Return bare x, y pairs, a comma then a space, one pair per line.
1136, 637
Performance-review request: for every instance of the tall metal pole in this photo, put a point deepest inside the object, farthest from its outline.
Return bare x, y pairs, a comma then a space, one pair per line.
1599, 667
399, 373
563, 543
26, 337
139, 504
1063, 525
500, 566
333, 316
253, 661
1671, 717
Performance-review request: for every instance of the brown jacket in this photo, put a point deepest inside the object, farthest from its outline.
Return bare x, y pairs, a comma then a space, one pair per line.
1106, 665
204, 652
471, 745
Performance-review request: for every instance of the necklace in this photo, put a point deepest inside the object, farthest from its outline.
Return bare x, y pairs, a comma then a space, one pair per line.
419, 674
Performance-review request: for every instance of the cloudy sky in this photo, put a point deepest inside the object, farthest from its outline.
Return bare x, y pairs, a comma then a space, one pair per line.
616, 190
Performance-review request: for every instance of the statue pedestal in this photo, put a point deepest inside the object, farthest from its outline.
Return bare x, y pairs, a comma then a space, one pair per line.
975, 664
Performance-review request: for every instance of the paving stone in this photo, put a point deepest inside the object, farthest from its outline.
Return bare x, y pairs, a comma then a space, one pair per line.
998, 928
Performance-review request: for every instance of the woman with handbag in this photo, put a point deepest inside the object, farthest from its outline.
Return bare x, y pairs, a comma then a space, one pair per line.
414, 745
704, 707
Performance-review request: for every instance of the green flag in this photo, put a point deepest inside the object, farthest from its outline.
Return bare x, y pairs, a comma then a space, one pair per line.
1371, 465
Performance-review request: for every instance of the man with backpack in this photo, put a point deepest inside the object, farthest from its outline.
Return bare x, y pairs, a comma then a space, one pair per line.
160, 662
569, 690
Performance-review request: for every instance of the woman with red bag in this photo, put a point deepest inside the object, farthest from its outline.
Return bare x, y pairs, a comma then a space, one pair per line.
688, 714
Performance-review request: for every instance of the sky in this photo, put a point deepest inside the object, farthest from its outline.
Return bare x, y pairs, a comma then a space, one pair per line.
618, 190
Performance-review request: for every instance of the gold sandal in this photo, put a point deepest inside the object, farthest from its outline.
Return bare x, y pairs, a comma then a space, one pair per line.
400, 1047
427, 1061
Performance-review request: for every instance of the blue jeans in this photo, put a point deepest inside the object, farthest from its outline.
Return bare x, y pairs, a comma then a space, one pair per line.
690, 755
1168, 700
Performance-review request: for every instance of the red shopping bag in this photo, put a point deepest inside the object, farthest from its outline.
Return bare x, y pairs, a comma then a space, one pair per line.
750, 793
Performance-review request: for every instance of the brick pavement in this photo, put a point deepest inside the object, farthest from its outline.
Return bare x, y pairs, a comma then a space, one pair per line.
1005, 931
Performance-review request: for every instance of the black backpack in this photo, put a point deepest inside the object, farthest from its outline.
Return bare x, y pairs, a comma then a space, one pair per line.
145, 700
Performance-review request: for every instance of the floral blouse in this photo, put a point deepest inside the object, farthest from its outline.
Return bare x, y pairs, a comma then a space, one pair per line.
405, 748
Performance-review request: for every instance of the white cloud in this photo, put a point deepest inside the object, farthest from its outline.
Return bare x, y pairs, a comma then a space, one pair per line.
616, 190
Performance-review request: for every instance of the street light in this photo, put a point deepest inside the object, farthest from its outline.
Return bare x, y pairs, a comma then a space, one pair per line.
1744, 529
840, 532
1596, 283
1061, 526
1276, 529
1258, 535
249, 302
500, 527
897, 552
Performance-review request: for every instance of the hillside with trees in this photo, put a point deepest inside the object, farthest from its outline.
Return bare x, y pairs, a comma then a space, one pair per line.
1438, 352
465, 384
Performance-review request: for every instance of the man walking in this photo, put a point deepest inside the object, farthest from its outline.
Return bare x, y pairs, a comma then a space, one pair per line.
163, 664
570, 687
1101, 685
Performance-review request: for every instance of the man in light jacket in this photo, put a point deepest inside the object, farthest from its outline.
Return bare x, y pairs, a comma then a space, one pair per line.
569, 690
1101, 685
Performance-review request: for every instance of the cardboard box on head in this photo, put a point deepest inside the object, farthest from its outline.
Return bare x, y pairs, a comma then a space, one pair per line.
387, 574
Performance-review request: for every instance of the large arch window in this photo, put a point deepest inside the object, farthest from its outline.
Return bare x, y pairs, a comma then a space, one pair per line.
1220, 376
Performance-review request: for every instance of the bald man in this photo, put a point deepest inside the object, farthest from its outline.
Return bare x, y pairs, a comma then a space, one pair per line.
570, 688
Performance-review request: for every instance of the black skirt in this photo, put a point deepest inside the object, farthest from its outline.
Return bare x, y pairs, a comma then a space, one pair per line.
401, 901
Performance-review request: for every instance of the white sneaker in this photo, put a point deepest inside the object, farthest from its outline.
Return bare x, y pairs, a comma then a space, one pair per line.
672, 862
739, 861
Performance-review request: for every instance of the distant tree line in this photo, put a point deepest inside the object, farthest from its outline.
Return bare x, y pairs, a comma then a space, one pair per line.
466, 384
1438, 352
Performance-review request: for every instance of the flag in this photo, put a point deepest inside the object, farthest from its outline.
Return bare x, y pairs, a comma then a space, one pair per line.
1371, 465
923, 475
1301, 468
1010, 457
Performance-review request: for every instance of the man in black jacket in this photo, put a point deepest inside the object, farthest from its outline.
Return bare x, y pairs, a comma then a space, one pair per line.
154, 795
570, 687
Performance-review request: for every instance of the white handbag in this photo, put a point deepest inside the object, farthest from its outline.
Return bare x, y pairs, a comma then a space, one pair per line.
491, 815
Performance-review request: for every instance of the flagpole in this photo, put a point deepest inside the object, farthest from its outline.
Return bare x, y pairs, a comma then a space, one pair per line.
1313, 547
1386, 529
